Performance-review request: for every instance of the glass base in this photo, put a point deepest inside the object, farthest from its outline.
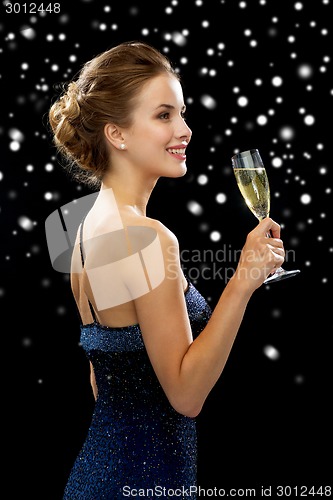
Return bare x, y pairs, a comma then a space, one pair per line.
281, 274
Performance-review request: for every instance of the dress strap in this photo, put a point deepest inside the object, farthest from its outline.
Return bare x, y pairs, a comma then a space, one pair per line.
82, 261
81, 242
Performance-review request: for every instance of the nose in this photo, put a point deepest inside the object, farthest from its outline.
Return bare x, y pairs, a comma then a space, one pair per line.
184, 132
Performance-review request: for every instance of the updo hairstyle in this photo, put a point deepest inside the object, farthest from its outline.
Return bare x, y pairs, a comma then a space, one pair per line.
104, 92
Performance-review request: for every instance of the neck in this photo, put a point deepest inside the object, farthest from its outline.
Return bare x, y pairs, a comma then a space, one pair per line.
131, 193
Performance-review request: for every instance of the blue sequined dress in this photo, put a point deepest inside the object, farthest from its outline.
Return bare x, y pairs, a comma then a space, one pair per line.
136, 443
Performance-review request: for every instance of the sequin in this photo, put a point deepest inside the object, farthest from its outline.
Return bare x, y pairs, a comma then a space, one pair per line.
136, 443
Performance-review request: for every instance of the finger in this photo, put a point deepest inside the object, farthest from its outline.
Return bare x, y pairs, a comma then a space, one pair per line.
270, 226
275, 242
280, 252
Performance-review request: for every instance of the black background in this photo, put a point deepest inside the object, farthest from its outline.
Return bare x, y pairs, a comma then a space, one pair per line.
267, 421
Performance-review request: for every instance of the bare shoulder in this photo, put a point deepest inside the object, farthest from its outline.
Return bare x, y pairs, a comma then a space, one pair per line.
139, 237
106, 225
162, 236
141, 231
163, 231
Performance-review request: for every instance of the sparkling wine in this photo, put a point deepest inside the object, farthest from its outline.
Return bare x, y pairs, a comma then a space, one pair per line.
254, 186
253, 183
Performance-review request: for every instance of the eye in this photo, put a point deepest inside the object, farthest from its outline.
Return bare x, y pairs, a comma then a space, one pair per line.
164, 116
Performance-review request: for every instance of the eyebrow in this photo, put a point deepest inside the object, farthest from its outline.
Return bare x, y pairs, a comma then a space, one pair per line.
169, 106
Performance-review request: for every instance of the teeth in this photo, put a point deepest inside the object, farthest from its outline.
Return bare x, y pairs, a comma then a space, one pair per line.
177, 151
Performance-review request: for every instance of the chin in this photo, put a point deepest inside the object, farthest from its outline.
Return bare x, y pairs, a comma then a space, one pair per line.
180, 172
175, 172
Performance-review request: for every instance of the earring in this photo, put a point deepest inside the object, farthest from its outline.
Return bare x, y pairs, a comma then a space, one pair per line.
122, 146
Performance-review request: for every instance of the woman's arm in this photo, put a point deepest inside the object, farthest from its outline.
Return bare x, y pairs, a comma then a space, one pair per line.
93, 381
187, 369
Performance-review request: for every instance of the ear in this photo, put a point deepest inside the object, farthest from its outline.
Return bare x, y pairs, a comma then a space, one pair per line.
113, 135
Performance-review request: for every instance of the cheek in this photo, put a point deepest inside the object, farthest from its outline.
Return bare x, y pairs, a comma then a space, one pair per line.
164, 135
152, 136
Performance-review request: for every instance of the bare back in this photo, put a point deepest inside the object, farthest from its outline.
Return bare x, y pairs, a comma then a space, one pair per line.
115, 265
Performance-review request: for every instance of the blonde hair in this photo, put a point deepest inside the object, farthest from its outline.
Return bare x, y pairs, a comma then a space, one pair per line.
104, 92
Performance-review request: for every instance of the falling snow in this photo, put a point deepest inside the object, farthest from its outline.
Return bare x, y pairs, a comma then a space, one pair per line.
255, 75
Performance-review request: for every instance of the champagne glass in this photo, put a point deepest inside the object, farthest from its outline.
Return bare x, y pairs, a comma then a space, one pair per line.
253, 183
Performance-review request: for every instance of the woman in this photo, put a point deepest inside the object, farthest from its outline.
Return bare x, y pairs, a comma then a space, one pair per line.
155, 347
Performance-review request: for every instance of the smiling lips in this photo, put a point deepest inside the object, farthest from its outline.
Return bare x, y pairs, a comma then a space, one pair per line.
178, 152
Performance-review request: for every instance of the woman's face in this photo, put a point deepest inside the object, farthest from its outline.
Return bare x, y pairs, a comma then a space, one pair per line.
157, 139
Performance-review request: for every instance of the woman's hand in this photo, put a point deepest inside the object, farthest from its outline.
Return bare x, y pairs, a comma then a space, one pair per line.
261, 255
